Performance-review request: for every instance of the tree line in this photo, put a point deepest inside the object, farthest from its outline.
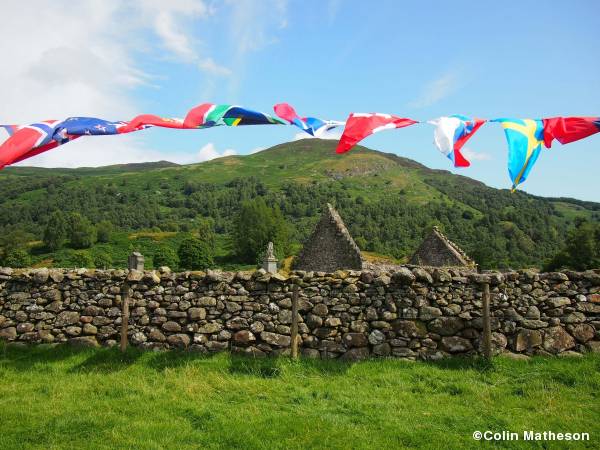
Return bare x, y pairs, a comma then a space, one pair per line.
72, 214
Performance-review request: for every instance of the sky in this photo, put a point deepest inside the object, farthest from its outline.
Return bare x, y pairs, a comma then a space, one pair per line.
114, 60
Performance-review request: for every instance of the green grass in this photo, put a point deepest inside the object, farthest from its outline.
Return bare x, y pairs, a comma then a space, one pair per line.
97, 398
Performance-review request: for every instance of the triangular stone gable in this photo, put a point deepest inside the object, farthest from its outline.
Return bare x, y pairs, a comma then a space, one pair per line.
439, 251
330, 246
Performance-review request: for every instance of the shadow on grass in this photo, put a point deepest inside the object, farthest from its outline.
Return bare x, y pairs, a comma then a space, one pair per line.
259, 367
171, 359
26, 357
106, 360
464, 363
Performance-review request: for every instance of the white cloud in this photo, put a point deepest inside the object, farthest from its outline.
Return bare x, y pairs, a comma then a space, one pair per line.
472, 155
333, 134
79, 59
209, 151
438, 89
209, 66
96, 151
170, 23
251, 29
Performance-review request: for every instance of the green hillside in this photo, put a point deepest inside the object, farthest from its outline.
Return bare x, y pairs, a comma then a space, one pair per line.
388, 202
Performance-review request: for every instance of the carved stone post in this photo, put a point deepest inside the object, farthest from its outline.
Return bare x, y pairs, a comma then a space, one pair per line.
270, 261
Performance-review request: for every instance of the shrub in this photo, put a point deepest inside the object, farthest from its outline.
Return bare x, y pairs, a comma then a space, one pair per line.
17, 257
102, 259
165, 256
195, 254
82, 258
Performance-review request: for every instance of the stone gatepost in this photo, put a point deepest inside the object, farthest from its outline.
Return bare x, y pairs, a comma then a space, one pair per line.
136, 261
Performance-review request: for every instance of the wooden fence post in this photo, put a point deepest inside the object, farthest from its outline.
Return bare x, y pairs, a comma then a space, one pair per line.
294, 330
487, 326
124, 314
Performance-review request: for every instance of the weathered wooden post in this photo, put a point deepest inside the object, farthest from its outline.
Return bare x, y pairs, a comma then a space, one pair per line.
487, 326
124, 314
134, 262
294, 330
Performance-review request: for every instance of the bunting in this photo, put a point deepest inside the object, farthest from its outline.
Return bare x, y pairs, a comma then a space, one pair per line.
569, 129
360, 125
451, 133
525, 138
311, 125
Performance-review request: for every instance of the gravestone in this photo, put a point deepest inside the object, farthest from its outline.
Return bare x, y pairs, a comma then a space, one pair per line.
438, 251
330, 247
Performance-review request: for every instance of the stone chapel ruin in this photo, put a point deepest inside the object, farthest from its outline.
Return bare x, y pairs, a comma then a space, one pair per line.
330, 246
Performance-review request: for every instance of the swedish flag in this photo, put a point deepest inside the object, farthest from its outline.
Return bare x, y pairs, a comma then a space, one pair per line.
525, 138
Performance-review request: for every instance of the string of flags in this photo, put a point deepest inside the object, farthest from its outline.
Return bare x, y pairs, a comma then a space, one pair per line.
524, 137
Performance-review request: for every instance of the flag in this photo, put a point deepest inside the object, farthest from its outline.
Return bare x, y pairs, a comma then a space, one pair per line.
211, 115
569, 129
10, 129
26, 138
311, 125
30, 140
451, 133
524, 137
205, 115
360, 125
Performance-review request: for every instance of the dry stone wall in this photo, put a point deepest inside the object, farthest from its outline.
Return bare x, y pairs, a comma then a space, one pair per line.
412, 312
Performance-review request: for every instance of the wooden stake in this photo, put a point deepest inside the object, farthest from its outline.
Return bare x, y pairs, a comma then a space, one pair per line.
294, 330
124, 314
487, 326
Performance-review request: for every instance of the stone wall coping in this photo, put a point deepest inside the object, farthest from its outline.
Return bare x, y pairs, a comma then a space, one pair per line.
405, 274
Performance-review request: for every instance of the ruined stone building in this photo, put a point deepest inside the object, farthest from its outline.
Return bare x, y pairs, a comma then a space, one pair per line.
330, 247
438, 251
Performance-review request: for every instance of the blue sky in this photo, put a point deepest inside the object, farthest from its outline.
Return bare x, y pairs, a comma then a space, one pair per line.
519, 59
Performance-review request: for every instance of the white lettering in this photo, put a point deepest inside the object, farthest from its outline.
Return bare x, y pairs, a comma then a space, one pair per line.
552, 436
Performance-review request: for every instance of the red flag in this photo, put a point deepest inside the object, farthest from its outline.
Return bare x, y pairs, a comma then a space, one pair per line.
361, 125
569, 129
28, 141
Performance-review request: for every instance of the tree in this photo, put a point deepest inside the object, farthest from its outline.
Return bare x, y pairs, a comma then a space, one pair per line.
582, 249
81, 231
165, 256
205, 230
55, 233
104, 230
194, 254
255, 226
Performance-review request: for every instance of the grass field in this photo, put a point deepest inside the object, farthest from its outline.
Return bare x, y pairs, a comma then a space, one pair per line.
68, 398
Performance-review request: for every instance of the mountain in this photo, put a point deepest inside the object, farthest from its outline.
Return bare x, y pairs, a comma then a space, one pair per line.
388, 202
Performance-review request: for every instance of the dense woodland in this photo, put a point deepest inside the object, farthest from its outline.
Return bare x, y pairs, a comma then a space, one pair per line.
76, 218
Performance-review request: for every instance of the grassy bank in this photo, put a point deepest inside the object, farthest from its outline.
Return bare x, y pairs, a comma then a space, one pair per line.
68, 398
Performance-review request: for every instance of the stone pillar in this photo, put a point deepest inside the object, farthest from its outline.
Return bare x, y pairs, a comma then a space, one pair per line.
270, 262
136, 261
